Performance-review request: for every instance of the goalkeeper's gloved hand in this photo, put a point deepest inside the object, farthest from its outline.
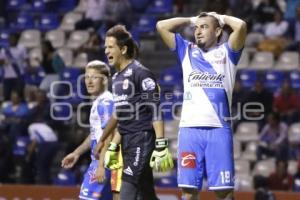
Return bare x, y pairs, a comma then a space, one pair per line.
161, 159
111, 157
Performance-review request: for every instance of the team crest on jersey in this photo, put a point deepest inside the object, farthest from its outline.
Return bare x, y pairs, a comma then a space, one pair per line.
128, 73
125, 84
148, 84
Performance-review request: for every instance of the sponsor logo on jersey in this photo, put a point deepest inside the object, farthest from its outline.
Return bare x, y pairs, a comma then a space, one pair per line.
125, 84
206, 80
148, 84
128, 73
128, 171
188, 160
137, 156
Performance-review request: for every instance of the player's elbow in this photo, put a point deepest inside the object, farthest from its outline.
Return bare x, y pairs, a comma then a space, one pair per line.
242, 27
160, 26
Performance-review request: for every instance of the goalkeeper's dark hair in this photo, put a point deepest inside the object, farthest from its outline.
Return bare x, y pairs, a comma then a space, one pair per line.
124, 38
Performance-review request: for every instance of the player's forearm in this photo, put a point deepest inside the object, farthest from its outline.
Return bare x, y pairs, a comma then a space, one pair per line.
159, 128
235, 23
109, 129
85, 146
117, 138
103, 150
172, 24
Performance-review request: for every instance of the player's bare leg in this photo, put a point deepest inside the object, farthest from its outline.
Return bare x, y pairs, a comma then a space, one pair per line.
190, 194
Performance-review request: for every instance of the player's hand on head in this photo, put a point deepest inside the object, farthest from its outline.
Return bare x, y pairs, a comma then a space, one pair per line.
219, 17
161, 159
69, 160
111, 157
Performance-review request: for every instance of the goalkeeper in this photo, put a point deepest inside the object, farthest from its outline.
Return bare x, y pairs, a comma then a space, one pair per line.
136, 97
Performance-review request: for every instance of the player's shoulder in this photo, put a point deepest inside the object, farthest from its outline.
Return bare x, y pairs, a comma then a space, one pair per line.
141, 70
106, 96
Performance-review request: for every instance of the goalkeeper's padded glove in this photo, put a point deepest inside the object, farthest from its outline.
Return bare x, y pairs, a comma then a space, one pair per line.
161, 159
111, 157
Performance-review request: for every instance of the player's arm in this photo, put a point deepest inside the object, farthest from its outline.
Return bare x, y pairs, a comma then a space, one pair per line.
103, 150
30, 149
100, 172
69, 160
161, 159
109, 129
237, 38
158, 128
166, 29
84, 146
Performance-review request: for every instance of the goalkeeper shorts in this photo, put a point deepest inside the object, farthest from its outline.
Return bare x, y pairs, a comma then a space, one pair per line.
91, 189
116, 176
205, 151
137, 149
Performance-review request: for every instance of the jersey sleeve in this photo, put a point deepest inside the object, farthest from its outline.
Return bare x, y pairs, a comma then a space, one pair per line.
105, 110
181, 45
234, 56
149, 90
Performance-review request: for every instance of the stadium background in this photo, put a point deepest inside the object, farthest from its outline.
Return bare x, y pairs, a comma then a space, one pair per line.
269, 61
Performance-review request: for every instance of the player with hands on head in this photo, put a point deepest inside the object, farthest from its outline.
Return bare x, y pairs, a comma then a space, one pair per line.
96, 183
205, 140
138, 117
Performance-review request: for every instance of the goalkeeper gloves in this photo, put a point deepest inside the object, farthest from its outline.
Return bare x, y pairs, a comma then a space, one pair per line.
161, 159
111, 157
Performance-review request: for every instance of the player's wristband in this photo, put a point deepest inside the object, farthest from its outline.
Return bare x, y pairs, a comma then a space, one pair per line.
161, 143
113, 146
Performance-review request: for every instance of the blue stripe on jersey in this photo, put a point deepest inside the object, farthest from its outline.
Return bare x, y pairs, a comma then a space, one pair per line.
234, 56
181, 46
105, 110
217, 96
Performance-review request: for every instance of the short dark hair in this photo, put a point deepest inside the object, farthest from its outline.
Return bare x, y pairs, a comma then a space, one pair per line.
124, 38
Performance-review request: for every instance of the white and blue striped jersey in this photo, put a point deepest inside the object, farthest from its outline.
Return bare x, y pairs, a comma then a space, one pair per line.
100, 114
208, 79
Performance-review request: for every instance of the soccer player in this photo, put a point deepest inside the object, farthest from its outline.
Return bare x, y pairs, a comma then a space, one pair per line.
209, 68
96, 75
141, 133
